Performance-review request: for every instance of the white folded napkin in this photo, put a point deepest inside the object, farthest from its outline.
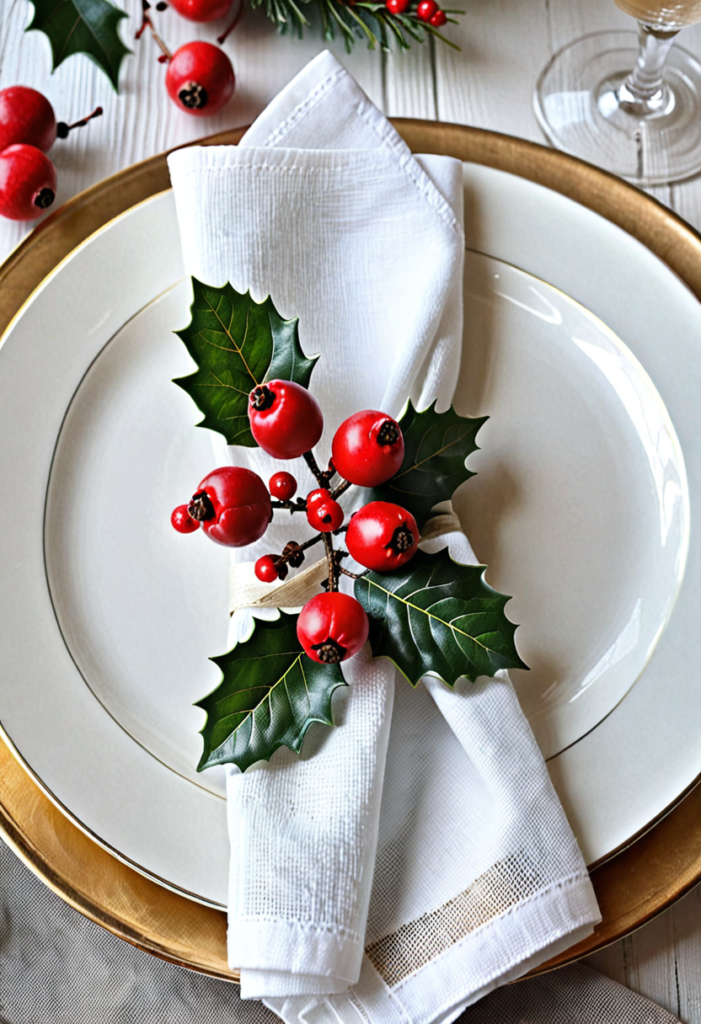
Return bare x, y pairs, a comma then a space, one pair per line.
391, 874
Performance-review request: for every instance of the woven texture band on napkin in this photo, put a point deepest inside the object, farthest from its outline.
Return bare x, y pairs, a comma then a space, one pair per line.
392, 876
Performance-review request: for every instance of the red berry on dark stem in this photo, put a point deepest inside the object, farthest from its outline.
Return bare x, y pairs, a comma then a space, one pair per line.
426, 9
27, 182
232, 505
285, 419
183, 521
438, 19
201, 10
332, 627
382, 536
200, 78
325, 515
368, 448
265, 569
26, 116
398, 6
320, 494
283, 486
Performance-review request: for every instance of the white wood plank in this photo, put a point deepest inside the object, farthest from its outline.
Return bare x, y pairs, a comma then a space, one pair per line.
409, 82
490, 83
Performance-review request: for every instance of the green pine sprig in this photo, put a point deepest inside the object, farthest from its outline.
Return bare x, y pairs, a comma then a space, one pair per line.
352, 20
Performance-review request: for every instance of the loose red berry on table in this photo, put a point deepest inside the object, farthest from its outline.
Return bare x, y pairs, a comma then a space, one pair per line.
27, 182
265, 569
232, 505
285, 419
332, 627
382, 536
426, 9
283, 486
325, 515
368, 448
183, 521
398, 6
200, 78
438, 19
201, 10
26, 116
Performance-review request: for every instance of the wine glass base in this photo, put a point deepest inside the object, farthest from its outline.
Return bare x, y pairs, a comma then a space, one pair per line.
583, 107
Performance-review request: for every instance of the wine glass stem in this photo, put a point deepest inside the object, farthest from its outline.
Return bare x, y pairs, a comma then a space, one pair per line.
645, 82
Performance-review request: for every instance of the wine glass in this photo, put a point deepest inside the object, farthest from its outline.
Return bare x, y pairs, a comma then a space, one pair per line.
632, 109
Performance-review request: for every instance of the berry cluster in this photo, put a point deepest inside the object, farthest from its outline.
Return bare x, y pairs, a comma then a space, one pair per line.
427, 11
200, 78
28, 130
234, 507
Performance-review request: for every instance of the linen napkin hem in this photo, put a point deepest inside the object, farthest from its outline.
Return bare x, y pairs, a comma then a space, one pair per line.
560, 915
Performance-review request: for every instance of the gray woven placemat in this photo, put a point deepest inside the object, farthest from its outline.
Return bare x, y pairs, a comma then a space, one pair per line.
56, 967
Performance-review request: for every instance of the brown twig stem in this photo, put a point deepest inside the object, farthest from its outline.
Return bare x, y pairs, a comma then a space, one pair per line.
146, 22
239, 14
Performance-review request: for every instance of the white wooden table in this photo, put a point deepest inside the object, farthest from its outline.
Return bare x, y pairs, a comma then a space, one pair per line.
489, 84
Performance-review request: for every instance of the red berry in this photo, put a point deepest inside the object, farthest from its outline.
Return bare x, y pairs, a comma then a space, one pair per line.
325, 515
283, 486
285, 419
438, 19
200, 78
382, 536
332, 627
26, 116
265, 569
426, 9
398, 6
201, 10
183, 521
368, 448
27, 182
320, 494
233, 506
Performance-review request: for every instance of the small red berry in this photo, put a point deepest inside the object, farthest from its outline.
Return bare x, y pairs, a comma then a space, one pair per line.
233, 506
368, 448
332, 627
183, 521
265, 569
285, 419
426, 9
325, 515
200, 78
283, 486
27, 182
398, 6
26, 116
320, 494
201, 10
438, 19
382, 536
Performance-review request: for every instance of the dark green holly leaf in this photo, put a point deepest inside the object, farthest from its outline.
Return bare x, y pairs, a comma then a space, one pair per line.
82, 26
237, 344
436, 615
270, 695
436, 445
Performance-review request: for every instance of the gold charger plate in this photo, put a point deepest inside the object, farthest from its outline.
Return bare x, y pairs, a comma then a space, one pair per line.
632, 887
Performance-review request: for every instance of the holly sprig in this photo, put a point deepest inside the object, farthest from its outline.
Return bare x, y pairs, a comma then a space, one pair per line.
431, 615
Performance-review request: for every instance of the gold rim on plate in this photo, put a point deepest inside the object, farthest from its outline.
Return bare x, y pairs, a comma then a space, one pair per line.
632, 887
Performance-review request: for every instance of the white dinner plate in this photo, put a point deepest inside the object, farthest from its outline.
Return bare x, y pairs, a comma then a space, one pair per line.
581, 506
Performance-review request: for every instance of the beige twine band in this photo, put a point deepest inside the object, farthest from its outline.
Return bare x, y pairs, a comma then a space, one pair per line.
246, 591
